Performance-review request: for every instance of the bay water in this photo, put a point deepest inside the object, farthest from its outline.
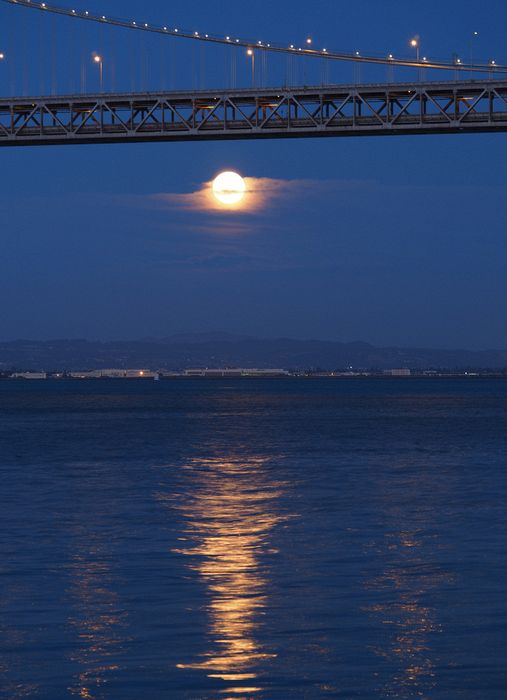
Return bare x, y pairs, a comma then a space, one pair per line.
291, 538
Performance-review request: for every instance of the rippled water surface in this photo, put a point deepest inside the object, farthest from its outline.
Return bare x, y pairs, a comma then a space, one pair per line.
253, 539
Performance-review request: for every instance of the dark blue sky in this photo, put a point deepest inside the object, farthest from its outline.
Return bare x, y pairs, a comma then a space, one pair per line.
392, 241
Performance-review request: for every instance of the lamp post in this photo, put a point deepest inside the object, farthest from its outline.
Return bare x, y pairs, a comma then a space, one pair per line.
357, 69
473, 36
390, 69
250, 52
414, 43
457, 62
99, 61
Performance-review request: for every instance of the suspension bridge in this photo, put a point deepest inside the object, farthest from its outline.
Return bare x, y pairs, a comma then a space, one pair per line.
466, 97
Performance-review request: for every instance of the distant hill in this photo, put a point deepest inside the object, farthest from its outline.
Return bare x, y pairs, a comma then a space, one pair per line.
226, 350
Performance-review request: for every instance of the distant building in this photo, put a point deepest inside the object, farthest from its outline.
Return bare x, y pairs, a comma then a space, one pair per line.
29, 375
235, 372
397, 372
115, 374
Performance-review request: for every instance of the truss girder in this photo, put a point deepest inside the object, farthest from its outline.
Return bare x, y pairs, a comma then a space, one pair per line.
311, 111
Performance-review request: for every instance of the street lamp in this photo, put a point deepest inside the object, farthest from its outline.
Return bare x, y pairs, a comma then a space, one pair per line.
414, 43
473, 36
2, 56
390, 69
99, 61
250, 52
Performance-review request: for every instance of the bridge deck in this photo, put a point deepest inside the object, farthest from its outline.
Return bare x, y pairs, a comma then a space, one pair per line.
335, 110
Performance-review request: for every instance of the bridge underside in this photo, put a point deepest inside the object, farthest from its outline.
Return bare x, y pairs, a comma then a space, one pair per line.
369, 110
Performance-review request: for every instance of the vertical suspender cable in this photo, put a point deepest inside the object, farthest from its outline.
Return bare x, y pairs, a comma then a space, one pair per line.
172, 66
194, 80
83, 60
131, 61
145, 62
202, 66
139, 62
112, 71
162, 67
53, 56
24, 52
40, 67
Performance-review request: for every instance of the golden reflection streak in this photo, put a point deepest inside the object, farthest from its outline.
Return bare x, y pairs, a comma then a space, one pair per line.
411, 622
96, 620
230, 515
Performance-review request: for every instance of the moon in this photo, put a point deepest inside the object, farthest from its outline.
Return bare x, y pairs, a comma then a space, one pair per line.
229, 188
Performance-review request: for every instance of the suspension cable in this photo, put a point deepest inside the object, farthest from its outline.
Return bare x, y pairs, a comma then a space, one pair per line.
357, 57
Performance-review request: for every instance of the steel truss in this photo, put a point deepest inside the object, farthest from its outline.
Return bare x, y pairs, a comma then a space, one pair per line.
369, 110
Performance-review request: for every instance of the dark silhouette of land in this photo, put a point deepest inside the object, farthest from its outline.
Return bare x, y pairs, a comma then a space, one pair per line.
226, 350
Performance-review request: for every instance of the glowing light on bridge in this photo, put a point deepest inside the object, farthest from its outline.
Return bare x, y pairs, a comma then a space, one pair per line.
99, 61
415, 44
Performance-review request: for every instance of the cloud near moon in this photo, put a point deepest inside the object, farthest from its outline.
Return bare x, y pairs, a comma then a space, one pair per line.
260, 194
260, 208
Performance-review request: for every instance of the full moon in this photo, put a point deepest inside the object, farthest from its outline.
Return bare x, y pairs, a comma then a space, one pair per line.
229, 188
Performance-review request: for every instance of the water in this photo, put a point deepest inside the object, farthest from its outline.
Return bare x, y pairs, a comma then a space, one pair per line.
253, 539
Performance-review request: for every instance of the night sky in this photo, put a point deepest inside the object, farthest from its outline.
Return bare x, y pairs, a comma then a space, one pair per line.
388, 240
